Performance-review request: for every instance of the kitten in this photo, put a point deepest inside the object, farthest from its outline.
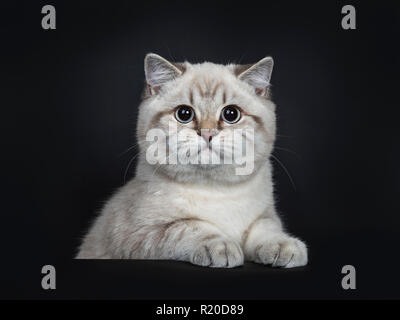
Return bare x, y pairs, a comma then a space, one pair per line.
204, 213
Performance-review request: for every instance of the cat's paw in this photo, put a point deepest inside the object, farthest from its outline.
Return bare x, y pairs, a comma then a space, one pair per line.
218, 253
285, 252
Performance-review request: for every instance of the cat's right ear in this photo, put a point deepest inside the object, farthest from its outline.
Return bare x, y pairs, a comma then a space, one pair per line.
158, 71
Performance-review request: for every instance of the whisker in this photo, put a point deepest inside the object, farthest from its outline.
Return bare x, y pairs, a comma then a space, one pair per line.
286, 170
130, 163
127, 150
130, 148
288, 150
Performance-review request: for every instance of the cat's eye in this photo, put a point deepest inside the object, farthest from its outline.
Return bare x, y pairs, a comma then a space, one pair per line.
184, 114
230, 114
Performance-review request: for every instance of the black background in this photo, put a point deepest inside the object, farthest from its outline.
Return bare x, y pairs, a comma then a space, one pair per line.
69, 102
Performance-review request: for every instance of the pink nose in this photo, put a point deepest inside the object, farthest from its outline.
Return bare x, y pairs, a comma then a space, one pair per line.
207, 135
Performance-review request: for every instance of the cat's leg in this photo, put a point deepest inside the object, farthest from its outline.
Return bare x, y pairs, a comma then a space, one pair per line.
265, 242
187, 239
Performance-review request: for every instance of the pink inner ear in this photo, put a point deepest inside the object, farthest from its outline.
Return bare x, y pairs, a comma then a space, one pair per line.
153, 90
260, 91
264, 92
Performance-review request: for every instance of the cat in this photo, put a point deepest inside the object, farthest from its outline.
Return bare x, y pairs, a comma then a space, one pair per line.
206, 214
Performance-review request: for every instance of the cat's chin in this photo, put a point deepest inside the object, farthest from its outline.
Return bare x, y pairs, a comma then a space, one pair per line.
200, 168
203, 173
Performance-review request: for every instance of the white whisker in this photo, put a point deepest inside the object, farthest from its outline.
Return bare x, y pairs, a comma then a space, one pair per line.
286, 170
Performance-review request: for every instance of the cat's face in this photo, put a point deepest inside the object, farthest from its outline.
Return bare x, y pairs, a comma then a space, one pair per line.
206, 120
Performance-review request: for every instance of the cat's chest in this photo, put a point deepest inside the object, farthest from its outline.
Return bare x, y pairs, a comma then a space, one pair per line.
231, 210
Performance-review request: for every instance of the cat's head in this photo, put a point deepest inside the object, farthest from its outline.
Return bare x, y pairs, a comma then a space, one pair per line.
206, 121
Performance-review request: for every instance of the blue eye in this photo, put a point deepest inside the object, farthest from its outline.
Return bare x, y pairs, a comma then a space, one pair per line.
184, 114
230, 114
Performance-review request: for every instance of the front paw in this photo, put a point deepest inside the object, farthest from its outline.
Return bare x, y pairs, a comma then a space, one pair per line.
218, 253
285, 252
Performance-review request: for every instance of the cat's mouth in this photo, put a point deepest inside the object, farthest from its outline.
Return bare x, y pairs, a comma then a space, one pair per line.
209, 156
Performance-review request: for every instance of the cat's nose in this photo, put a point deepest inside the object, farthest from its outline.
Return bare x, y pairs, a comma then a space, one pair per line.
207, 134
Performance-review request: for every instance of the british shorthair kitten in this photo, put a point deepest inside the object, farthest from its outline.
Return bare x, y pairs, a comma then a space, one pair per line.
207, 213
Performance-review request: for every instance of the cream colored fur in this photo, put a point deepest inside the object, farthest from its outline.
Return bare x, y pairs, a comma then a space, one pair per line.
203, 214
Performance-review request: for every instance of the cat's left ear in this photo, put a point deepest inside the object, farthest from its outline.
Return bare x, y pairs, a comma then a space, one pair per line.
259, 76
158, 72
